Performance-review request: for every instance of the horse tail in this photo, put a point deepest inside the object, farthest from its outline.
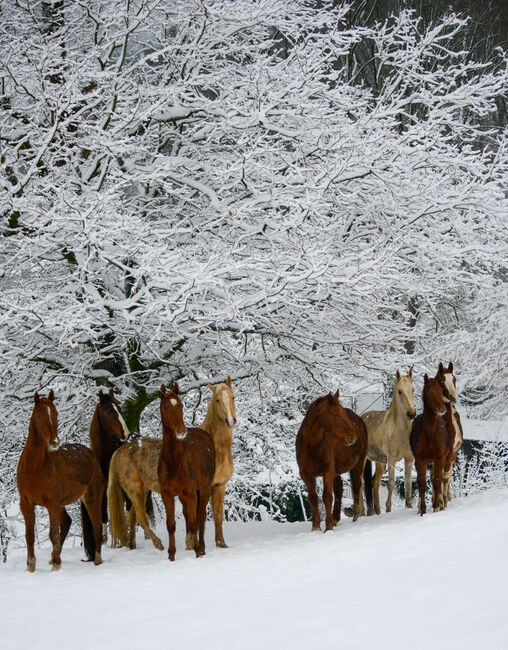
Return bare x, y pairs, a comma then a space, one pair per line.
367, 486
149, 509
116, 510
88, 536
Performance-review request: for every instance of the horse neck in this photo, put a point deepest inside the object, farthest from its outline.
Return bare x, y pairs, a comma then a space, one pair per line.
100, 439
172, 448
429, 416
36, 449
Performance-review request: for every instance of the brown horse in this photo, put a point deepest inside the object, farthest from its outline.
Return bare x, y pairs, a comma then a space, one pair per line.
331, 440
107, 432
186, 469
53, 476
448, 384
431, 442
219, 422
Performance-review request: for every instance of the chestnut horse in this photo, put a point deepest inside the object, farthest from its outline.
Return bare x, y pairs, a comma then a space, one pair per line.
186, 469
331, 440
388, 433
107, 432
448, 384
219, 422
432, 442
54, 475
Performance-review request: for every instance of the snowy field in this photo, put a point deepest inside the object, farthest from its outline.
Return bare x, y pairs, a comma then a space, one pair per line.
392, 581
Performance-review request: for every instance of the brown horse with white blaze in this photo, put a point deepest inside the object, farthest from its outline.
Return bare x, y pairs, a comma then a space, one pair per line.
186, 469
108, 431
54, 475
331, 440
431, 442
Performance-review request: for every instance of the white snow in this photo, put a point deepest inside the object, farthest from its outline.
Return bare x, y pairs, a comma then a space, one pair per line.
392, 581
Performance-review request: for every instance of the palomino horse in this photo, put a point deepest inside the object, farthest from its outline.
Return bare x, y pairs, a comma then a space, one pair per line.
331, 440
107, 432
186, 469
53, 476
219, 422
388, 433
431, 442
134, 470
448, 384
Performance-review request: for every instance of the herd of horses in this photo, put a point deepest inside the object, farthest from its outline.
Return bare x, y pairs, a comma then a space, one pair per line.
195, 464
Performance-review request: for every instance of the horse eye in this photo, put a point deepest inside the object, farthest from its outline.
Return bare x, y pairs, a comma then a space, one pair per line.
400, 392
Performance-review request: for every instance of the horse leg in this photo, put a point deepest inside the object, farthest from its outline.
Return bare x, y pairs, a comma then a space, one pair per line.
328, 499
55, 516
169, 504
28, 512
378, 475
189, 546
355, 476
131, 535
92, 500
310, 482
421, 473
391, 484
337, 505
191, 508
204, 498
367, 488
139, 505
408, 483
104, 517
437, 483
65, 524
218, 492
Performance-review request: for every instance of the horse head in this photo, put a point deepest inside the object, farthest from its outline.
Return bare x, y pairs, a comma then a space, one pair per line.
448, 383
110, 416
404, 393
331, 416
45, 419
224, 402
433, 398
172, 411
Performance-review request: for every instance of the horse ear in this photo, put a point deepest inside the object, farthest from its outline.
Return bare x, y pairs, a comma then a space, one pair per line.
337, 392
440, 369
51, 395
425, 378
450, 367
176, 389
163, 389
397, 375
212, 388
111, 394
37, 398
228, 381
410, 373
101, 396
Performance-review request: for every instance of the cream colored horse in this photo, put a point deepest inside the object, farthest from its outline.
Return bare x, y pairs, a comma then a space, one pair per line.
219, 422
388, 436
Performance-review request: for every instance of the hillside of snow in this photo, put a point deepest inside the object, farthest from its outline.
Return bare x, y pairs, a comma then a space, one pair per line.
391, 581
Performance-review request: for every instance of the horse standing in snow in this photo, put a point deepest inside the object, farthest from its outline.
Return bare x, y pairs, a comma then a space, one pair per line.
388, 434
107, 432
219, 422
186, 469
431, 442
53, 476
448, 384
331, 440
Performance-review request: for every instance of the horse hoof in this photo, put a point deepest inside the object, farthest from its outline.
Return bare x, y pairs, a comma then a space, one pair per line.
221, 544
30, 565
316, 528
348, 511
56, 566
171, 558
409, 505
158, 545
97, 561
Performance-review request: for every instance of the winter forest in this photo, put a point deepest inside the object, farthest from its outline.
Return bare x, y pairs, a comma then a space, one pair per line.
304, 195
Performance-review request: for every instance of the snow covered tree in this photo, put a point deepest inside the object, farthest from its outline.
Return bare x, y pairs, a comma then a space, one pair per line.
195, 189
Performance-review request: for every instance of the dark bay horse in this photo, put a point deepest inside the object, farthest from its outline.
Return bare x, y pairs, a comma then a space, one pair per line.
448, 384
432, 442
54, 475
107, 432
331, 440
186, 469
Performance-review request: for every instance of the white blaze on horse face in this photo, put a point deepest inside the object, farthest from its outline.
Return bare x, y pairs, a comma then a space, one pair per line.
122, 422
227, 404
174, 401
450, 386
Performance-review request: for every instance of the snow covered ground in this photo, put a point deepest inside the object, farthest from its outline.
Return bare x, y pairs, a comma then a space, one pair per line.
392, 581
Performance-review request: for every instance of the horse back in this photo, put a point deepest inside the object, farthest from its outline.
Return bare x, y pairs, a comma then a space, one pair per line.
64, 476
137, 461
429, 443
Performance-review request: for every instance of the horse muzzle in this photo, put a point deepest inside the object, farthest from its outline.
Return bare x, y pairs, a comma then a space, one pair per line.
54, 444
181, 434
351, 441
